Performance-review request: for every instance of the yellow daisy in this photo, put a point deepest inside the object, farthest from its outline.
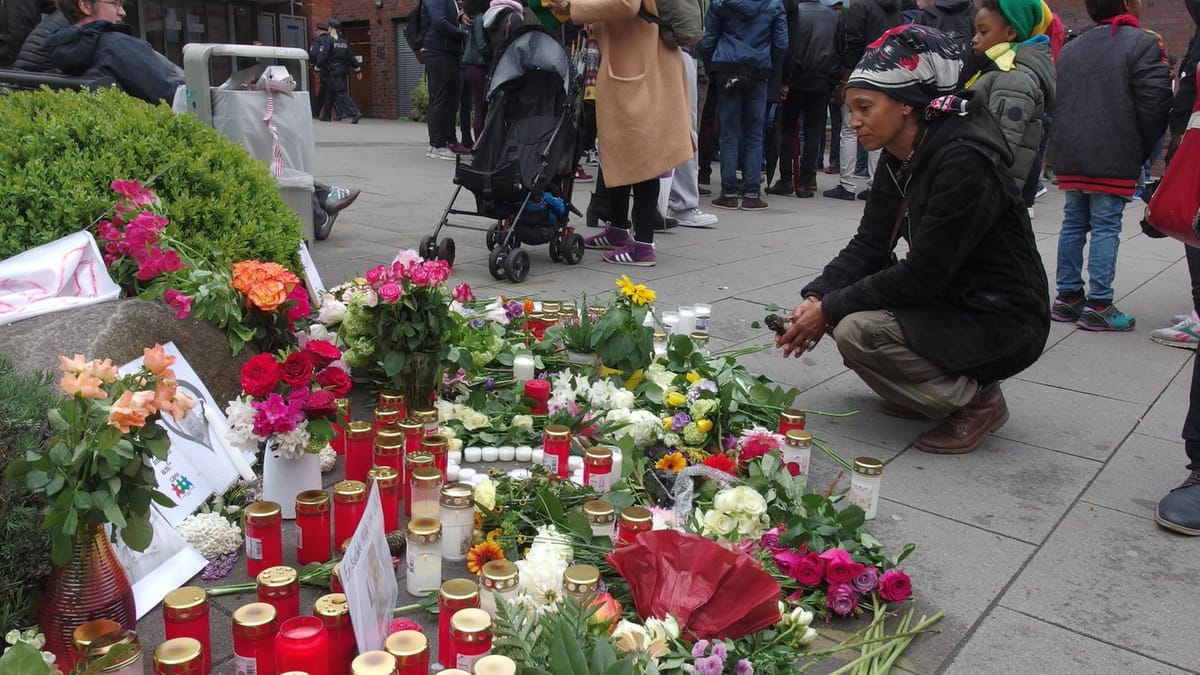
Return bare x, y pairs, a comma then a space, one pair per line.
673, 462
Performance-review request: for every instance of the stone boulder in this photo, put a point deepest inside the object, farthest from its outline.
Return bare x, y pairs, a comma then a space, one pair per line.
119, 330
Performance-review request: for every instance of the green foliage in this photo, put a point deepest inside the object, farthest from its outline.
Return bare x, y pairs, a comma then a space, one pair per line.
60, 151
24, 551
420, 100
24, 659
558, 643
620, 338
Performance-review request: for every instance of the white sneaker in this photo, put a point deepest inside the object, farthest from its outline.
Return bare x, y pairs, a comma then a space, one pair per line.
1185, 334
443, 153
1041, 192
429, 152
693, 218
1180, 318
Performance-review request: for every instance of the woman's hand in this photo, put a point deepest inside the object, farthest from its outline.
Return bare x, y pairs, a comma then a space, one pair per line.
808, 325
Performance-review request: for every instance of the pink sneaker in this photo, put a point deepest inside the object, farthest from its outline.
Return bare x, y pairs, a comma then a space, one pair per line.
632, 253
610, 238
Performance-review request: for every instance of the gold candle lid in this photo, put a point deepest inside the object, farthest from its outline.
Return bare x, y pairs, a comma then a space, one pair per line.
389, 438
312, 497
373, 663
495, 664
87, 633
411, 425
254, 615
551, 306
457, 496
359, 430
500, 575
424, 530
103, 644
343, 406
426, 477
578, 577
263, 511
390, 398
793, 415
868, 466
599, 511
660, 335
349, 491
597, 455
387, 416
558, 431
406, 644
799, 438
426, 415
386, 476
280, 576
699, 336
184, 597
434, 444
178, 652
637, 516
537, 316
470, 625
331, 606
457, 590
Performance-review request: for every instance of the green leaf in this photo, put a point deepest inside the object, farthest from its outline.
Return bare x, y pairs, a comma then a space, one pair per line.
138, 533
603, 656
23, 658
57, 423
622, 667
579, 526
56, 484
106, 503
851, 518
37, 479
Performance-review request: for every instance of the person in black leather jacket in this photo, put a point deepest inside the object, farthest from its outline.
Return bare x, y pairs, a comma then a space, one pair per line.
35, 53
338, 63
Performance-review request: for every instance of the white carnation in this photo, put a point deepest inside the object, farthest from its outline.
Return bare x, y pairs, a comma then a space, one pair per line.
645, 427
240, 415
211, 534
541, 575
328, 459
293, 444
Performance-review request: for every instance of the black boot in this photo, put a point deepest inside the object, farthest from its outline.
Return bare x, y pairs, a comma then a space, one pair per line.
783, 186
1179, 511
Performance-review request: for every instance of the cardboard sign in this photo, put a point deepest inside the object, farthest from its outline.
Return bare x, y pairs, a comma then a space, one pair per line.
369, 579
312, 277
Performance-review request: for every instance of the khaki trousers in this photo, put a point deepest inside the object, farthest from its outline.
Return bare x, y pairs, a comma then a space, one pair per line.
873, 346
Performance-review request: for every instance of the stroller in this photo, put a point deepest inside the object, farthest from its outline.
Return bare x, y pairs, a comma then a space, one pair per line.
523, 170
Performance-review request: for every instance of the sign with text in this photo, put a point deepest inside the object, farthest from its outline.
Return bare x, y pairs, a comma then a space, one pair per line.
369, 578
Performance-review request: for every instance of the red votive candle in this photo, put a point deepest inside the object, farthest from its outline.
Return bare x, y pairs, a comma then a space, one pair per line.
539, 391
412, 462
428, 417
349, 504
471, 630
254, 628
454, 595
386, 418
413, 432
598, 469
358, 451
634, 520
279, 587
389, 449
302, 644
390, 399
312, 527
388, 481
791, 419
333, 611
339, 427
411, 649
438, 447
264, 537
556, 448
185, 614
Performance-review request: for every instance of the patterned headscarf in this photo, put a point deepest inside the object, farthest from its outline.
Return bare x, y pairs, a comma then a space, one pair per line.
913, 64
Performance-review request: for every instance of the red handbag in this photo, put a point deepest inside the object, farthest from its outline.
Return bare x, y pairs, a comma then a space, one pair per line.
1175, 208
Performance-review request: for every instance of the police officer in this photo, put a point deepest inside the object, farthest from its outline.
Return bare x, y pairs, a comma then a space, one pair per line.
318, 54
339, 64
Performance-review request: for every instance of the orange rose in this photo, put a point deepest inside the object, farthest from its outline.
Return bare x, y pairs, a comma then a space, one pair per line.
157, 361
82, 384
131, 410
102, 370
169, 400
265, 285
72, 366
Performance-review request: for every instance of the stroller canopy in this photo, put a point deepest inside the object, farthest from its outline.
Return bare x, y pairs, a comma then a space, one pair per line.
531, 50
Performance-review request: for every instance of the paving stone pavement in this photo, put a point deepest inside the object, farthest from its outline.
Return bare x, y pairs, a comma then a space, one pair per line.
1040, 546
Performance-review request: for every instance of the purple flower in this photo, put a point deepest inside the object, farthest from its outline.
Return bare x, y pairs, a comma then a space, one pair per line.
710, 665
277, 415
699, 648
841, 599
513, 309
866, 582
719, 649
744, 667
680, 420
699, 388
220, 567
491, 383
476, 323
729, 442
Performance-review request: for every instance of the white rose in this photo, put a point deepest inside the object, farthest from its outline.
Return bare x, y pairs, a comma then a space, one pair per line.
750, 501
549, 538
541, 575
658, 374
454, 444
622, 398
807, 639
619, 416
485, 494
473, 419
332, 310
717, 523
726, 501
522, 422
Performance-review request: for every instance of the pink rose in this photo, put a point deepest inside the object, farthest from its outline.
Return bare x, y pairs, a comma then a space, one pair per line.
182, 304
867, 581
770, 539
300, 307
376, 274
320, 403
439, 271
420, 275
809, 570
390, 292
841, 599
463, 293
895, 586
840, 568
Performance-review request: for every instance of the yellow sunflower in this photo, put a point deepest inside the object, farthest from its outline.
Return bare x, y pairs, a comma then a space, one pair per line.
626, 285
642, 295
673, 462
494, 535
482, 554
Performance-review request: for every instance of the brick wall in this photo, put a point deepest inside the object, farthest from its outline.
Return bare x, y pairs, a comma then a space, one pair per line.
1168, 18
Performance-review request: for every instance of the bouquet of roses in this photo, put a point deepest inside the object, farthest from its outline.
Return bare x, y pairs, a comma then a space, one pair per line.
290, 398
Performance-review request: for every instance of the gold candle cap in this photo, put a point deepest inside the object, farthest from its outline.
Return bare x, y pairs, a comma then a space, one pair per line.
312, 497
425, 415
458, 590
495, 664
636, 515
457, 496
87, 633
470, 625
280, 576
660, 334
389, 438
406, 644
103, 644
390, 398
598, 453
263, 510
349, 491
558, 431
331, 605
500, 575
177, 652
580, 575
426, 477
799, 438
551, 306
699, 336
185, 597
868, 466
359, 430
424, 530
373, 663
793, 415
386, 476
598, 510
254, 615
434, 444
411, 425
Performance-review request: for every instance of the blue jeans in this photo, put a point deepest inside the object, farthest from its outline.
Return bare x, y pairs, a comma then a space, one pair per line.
741, 112
1099, 214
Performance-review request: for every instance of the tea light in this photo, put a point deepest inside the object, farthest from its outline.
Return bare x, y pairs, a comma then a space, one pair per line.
452, 472
703, 314
538, 456
687, 321
507, 453
454, 457
472, 454
616, 470
490, 454
670, 320
524, 453
523, 368
520, 474
574, 464
465, 475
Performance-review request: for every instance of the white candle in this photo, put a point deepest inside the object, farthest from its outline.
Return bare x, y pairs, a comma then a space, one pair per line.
452, 472
616, 470
472, 455
454, 456
220, 426
424, 571
465, 475
489, 454
670, 321
507, 453
577, 477
523, 368
687, 321
524, 453
574, 463
538, 456
703, 313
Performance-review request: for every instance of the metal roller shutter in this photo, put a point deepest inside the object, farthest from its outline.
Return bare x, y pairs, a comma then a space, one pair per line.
409, 71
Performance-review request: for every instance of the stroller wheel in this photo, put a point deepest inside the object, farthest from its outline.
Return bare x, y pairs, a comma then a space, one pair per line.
446, 251
496, 263
428, 249
574, 252
516, 265
495, 234
556, 247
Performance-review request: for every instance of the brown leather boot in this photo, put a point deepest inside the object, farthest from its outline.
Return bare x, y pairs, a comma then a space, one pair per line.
966, 427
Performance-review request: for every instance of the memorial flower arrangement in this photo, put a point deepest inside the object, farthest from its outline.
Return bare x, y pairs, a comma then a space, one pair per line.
620, 335
290, 399
103, 435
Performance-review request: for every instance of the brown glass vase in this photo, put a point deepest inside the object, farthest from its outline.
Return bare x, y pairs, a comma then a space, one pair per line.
93, 585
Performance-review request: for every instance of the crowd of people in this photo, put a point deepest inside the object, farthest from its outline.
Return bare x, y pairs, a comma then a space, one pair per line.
945, 107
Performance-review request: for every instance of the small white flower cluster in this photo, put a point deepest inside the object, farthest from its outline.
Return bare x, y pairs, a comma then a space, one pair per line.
797, 620
642, 425
292, 444
738, 513
602, 395
240, 415
33, 638
328, 459
542, 569
211, 534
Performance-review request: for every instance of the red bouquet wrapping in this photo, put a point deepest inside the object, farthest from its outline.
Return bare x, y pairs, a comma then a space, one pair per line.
712, 591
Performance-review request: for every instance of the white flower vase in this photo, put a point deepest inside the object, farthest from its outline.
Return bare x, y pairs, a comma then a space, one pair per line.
284, 478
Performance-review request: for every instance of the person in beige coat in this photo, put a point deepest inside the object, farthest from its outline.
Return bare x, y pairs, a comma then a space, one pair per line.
642, 119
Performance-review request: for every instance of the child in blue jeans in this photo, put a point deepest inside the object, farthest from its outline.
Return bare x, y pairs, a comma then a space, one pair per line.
1114, 95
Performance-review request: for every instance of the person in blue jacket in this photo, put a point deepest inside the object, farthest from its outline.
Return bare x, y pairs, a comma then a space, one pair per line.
744, 44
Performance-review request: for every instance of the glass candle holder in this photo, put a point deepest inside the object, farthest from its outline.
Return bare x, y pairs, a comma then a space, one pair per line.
538, 391
412, 462
797, 451
390, 399
413, 432
556, 446
499, 579
670, 320
454, 595
280, 588
264, 537
349, 504
864, 484
700, 342
131, 662
791, 419
437, 446
411, 649
333, 611
687, 321
389, 449
313, 520
471, 631
359, 442
660, 344
703, 314
302, 644
185, 615
179, 656
386, 418
339, 427
581, 581
598, 469
495, 664
428, 417
88, 632
423, 556
425, 491
634, 520
374, 663
254, 628
601, 516
457, 515
388, 480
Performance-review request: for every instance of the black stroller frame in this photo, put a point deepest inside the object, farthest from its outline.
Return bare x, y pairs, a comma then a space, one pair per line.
510, 178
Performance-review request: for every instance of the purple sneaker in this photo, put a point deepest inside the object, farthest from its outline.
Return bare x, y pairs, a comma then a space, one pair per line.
632, 253
610, 238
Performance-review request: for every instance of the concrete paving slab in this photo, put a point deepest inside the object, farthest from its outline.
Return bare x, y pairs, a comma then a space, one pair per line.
1011, 642
1113, 576
1165, 418
810, 370
847, 392
1065, 420
1138, 475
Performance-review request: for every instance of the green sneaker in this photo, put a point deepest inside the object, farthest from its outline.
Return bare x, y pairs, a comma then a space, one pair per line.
1105, 319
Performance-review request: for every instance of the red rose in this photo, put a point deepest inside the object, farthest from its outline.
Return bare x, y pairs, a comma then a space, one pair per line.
895, 586
322, 353
335, 380
260, 375
297, 369
809, 570
320, 403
